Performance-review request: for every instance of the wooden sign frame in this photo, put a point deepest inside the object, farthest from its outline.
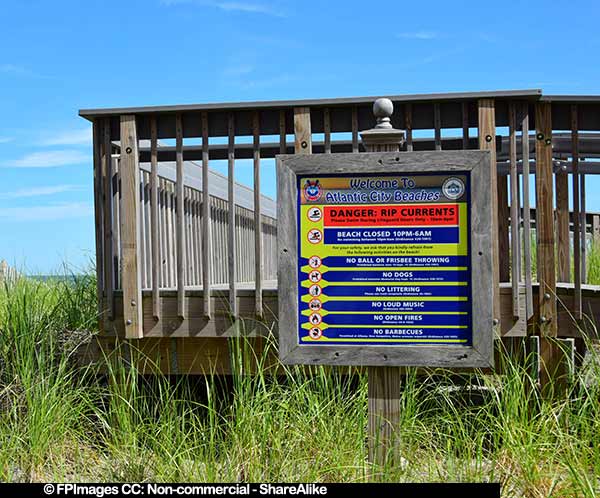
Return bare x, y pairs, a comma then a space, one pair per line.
478, 164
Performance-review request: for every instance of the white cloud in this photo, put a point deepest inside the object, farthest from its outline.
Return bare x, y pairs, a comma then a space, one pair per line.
12, 69
5, 140
232, 6
69, 137
48, 213
418, 35
49, 159
39, 191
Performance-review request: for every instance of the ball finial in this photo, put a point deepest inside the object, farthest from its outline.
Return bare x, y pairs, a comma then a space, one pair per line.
383, 109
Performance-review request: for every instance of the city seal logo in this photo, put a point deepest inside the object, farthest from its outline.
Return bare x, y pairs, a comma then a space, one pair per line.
312, 190
453, 188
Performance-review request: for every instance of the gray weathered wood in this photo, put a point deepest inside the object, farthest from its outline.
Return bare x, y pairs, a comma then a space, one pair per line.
409, 127
384, 415
480, 354
577, 309
181, 235
258, 242
99, 199
545, 222
155, 220
206, 225
354, 130
110, 238
515, 208
487, 140
526, 213
583, 226
327, 130
231, 233
437, 126
130, 215
282, 133
465, 124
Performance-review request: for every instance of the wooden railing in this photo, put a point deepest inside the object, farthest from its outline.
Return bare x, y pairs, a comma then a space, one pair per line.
144, 245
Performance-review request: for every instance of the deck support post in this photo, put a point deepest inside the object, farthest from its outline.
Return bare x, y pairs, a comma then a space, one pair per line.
551, 354
383, 382
130, 234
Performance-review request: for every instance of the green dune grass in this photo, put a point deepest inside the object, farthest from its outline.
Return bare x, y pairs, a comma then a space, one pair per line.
64, 422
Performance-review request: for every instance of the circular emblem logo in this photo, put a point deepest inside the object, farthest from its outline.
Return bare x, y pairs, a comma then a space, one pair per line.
315, 319
314, 214
453, 188
312, 190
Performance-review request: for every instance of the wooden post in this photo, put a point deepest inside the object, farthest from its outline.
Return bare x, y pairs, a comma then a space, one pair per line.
302, 131
130, 213
596, 229
550, 352
383, 382
487, 141
384, 414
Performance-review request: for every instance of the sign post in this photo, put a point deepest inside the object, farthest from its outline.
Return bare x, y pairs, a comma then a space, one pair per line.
385, 261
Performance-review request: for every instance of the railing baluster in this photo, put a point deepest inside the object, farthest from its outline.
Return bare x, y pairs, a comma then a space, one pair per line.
206, 225
258, 245
437, 125
109, 224
180, 193
577, 307
99, 200
231, 233
282, 133
465, 125
408, 126
327, 130
583, 226
526, 213
354, 129
514, 211
155, 227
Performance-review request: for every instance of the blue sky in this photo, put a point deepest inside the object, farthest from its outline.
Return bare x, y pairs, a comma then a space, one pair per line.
59, 56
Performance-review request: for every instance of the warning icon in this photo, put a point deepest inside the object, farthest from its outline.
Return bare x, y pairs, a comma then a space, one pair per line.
315, 236
315, 319
314, 290
315, 333
315, 305
314, 276
315, 214
314, 262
